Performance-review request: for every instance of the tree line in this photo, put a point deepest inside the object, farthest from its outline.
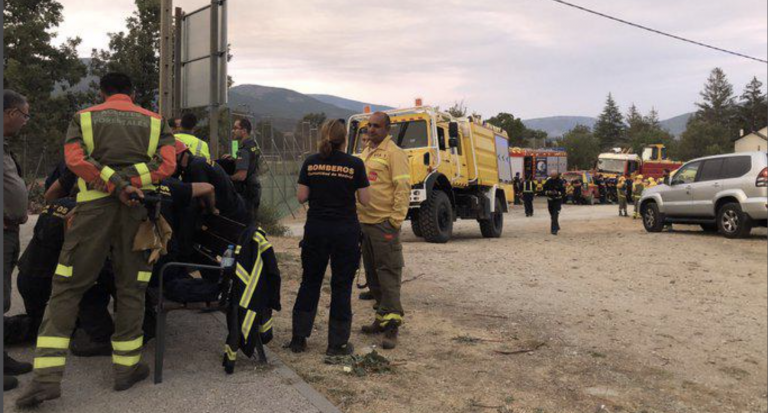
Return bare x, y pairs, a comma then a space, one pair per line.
720, 118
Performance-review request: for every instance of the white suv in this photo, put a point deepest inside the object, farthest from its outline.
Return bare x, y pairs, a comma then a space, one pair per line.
726, 193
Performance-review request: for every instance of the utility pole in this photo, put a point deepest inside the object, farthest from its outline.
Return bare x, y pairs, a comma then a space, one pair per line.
177, 62
166, 59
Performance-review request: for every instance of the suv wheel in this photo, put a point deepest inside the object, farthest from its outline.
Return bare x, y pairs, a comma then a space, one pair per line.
491, 228
733, 222
436, 218
652, 219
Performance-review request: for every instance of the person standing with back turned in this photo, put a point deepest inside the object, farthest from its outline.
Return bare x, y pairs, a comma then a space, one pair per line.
329, 180
554, 189
389, 175
117, 149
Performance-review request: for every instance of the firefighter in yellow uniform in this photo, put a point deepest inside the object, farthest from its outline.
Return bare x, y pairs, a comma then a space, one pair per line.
389, 176
196, 146
637, 193
116, 149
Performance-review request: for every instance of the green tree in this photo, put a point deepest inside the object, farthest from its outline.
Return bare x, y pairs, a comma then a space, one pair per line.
314, 119
43, 73
703, 138
753, 110
582, 147
610, 127
718, 103
513, 126
135, 53
458, 110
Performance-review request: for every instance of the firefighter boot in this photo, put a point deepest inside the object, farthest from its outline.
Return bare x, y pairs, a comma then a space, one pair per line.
366, 295
10, 382
297, 344
390, 337
38, 392
343, 350
13, 367
373, 328
125, 382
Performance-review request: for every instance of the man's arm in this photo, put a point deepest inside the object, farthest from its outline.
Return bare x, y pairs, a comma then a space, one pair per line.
401, 179
163, 162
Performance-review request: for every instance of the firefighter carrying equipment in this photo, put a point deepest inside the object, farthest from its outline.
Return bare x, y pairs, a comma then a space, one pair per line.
255, 293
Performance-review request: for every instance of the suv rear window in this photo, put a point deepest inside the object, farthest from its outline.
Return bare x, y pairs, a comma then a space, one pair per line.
736, 166
711, 170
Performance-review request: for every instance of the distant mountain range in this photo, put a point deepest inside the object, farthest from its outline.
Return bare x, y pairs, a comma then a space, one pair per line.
557, 126
349, 104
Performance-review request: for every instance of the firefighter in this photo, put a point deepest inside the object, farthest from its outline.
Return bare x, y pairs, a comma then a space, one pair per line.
197, 146
329, 180
529, 191
15, 200
389, 175
554, 189
227, 202
123, 149
578, 197
246, 177
601, 190
517, 187
637, 192
621, 192
38, 265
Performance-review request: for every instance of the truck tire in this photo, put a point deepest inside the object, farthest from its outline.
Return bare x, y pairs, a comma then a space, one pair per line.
492, 228
652, 219
733, 222
416, 225
436, 218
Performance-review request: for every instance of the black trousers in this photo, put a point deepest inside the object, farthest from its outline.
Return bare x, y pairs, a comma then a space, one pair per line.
93, 317
338, 243
554, 206
528, 201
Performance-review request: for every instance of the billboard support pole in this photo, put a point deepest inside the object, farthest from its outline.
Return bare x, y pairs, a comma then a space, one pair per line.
177, 62
166, 61
214, 93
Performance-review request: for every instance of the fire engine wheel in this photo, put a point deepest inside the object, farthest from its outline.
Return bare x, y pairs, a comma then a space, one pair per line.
491, 228
416, 225
436, 218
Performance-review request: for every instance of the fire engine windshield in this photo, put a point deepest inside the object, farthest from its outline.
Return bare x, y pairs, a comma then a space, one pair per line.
407, 135
611, 165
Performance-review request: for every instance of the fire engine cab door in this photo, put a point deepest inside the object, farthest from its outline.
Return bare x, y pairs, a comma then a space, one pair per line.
450, 161
502, 159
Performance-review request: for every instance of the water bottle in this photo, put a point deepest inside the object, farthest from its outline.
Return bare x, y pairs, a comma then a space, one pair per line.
228, 260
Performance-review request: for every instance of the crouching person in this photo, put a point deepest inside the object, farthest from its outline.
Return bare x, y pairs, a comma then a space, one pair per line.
329, 180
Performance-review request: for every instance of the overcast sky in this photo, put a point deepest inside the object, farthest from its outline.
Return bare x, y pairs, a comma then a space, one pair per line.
532, 58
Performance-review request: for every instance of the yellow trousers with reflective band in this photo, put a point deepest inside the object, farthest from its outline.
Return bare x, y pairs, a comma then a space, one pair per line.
100, 228
383, 263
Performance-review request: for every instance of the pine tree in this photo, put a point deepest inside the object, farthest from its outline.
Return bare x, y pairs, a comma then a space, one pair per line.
43, 73
753, 109
652, 119
718, 101
135, 53
610, 127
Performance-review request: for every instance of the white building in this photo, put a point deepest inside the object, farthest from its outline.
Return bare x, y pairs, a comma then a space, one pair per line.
755, 141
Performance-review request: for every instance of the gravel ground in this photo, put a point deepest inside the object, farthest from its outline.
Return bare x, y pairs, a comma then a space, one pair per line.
616, 319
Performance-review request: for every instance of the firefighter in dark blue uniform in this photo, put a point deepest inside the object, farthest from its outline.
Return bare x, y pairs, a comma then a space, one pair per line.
246, 176
330, 181
554, 189
529, 191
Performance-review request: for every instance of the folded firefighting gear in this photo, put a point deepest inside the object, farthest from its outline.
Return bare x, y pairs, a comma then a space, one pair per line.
255, 294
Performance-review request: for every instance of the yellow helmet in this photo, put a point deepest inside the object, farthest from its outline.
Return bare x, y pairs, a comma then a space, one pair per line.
639, 177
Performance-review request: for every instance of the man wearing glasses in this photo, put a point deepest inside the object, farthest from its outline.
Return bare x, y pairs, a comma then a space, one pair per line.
15, 197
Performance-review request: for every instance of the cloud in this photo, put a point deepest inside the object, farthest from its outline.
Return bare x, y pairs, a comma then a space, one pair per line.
529, 57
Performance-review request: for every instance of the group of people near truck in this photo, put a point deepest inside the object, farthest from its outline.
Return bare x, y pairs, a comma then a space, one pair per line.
84, 249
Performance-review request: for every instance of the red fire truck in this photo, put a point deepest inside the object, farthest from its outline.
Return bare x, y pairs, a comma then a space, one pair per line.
538, 163
652, 164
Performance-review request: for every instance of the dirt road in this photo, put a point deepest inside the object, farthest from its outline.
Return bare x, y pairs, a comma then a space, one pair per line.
617, 320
